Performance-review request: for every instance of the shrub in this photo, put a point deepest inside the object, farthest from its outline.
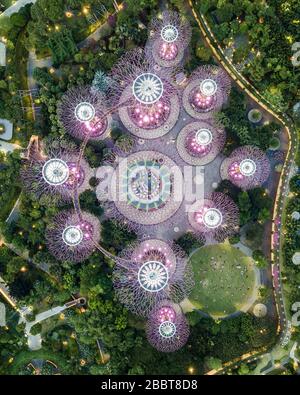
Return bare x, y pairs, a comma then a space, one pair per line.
36, 329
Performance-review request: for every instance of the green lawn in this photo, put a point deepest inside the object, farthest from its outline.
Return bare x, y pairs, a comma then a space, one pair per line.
224, 279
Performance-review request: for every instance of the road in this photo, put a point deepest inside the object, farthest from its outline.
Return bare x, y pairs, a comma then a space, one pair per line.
281, 194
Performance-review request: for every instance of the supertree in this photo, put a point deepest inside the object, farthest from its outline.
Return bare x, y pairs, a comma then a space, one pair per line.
207, 90
150, 272
83, 112
168, 38
143, 189
216, 216
148, 102
55, 171
167, 328
72, 237
198, 143
247, 167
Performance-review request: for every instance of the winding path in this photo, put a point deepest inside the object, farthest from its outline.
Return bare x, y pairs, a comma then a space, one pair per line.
281, 194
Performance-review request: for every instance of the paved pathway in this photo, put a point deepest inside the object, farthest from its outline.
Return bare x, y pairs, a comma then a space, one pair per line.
35, 341
15, 7
8, 147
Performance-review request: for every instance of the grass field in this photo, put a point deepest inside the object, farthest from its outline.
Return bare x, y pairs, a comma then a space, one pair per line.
224, 279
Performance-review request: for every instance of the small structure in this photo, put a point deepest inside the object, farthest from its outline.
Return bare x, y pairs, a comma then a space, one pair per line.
260, 310
296, 258
255, 115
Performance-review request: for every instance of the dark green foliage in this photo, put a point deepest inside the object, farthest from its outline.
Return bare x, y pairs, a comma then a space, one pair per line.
260, 260
36, 329
295, 184
188, 242
115, 236
239, 129
89, 202
62, 46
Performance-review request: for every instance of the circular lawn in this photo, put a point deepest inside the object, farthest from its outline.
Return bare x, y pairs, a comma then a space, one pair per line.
225, 280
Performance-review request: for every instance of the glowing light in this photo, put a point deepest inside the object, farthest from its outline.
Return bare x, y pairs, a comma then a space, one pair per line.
208, 87
55, 172
153, 276
147, 88
169, 33
84, 112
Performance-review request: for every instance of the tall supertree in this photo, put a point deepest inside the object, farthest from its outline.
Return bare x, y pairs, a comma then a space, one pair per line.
55, 171
148, 102
72, 237
168, 38
247, 167
167, 328
215, 217
207, 90
149, 273
143, 189
198, 143
83, 112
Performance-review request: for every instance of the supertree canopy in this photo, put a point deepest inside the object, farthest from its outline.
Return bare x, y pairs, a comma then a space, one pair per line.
206, 92
56, 172
168, 38
216, 217
83, 112
152, 272
72, 237
198, 143
148, 102
143, 189
167, 328
247, 167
